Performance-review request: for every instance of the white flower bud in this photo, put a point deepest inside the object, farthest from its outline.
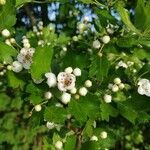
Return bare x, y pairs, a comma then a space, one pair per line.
64, 49
58, 145
77, 72
1, 73
59, 105
26, 45
110, 31
103, 135
51, 79
88, 83
68, 70
83, 91
105, 39
81, 27
38, 107
25, 40
75, 38
107, 98
110, 85
5, 33
100, 54
121, 86
77, 96
2, 2
48, 95
134, 70
50, 125
7, 41
17, 66
40, 42
65, 98
73, 91
94, 138
4, 70
9, 67
12, 40
96, 44
86, 18
117, 81
115, 88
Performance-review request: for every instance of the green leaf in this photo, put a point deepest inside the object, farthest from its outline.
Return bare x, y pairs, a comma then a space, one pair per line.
92, 104
15, 80
41, 62
107, 110
70, 143
87, 1
4, 101
16, 103
77, 111
99, 67
88, 130
142, 53
75, 60
126, 42
35, 99
126, 111
36, 93
86, 107
21, 2
104, 16
142, 19
7, 52
126, 19
55, 114
62, 39
8, 15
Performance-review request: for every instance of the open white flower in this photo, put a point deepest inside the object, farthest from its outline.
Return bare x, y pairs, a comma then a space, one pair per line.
122, 64
66, 81
51, 79
25, 57
16, 66
144, 87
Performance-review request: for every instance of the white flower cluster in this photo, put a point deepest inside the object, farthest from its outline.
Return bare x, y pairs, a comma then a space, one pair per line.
118, 85
111, 28
65, 81
144, 87
83, 26
2, 72
25, 41
9, 41
38, 29
103, 135
124, 65
24, 59
105, 40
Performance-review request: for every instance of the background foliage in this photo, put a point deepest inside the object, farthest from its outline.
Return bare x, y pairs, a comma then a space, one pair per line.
125, 119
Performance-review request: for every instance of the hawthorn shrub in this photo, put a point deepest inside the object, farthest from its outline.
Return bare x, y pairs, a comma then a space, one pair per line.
78, 81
